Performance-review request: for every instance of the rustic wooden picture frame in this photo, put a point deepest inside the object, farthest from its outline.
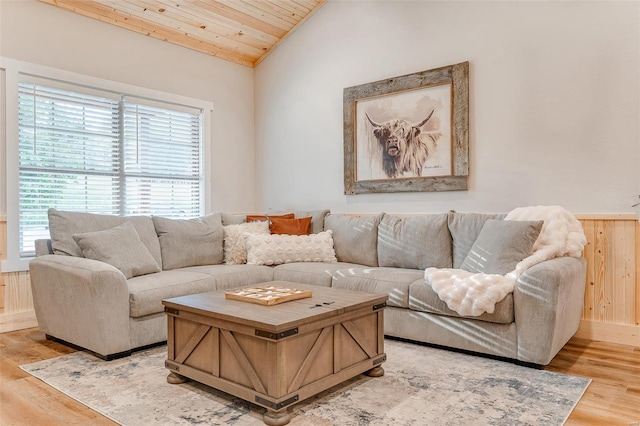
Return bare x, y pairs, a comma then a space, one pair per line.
458, 77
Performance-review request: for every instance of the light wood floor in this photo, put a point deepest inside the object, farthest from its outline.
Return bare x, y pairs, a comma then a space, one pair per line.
613, 397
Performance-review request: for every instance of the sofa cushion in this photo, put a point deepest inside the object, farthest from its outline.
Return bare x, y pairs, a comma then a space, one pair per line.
120, 247
355, 238
146, 292
391, 281
317, 219
464, 229
314, 273
264, 249
190, 242
501, 245
414, 242
233, 276
422, 298
235, 250
63, 224
300, 226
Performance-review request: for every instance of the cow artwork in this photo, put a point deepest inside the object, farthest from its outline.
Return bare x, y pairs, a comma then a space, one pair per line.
404, 146
408, 133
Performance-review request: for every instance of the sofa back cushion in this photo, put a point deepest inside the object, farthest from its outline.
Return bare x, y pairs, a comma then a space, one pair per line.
192, 242
464, 229
414, 242
63, 224
317, 219
355, 238
232, 219
120, 247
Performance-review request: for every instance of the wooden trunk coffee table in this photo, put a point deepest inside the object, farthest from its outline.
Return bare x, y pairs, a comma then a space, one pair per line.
275, 356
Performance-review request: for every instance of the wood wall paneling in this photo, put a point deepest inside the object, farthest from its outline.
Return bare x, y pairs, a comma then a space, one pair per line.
16, 299
3, 237
637, 272
17, 295
588, 312
612, 294
3, 255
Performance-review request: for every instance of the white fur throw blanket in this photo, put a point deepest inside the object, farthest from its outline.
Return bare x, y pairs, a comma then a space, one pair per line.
472, 294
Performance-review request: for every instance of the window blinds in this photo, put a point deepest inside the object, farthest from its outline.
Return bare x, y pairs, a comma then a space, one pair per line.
162, 166
84, 152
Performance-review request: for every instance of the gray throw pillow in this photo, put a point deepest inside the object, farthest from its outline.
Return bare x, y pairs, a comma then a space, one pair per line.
354, 238
63, 224
501, 245
464, 229
120, 247
414, 242
317, 219
232, 219
192, 242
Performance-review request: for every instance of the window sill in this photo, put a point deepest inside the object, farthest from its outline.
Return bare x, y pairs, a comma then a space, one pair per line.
20, 265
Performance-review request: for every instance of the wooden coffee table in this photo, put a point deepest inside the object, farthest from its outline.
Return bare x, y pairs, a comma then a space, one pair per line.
275, 356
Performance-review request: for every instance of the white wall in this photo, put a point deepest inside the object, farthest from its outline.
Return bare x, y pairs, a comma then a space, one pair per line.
39, 33
554, 102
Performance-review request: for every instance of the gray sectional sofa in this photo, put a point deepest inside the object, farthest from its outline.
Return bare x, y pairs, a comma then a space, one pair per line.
94, 305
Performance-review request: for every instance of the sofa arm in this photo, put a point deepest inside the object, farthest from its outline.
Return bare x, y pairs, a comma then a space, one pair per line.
81, 301
548, 301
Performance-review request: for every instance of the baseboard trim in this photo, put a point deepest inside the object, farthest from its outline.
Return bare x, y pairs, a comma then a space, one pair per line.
607, 332
14, 321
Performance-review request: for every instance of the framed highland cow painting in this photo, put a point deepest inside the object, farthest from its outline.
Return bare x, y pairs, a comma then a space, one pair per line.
408, 133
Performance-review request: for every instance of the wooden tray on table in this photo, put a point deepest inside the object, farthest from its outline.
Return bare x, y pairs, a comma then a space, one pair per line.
267, 295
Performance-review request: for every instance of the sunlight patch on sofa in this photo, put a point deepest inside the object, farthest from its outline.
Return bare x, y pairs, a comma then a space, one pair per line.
532, 287
477, 258
422, 306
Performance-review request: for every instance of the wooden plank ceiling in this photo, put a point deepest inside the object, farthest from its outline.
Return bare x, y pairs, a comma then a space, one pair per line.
241, 31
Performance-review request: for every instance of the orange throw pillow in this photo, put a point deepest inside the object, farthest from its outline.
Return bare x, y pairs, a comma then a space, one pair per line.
290, 226
262, 218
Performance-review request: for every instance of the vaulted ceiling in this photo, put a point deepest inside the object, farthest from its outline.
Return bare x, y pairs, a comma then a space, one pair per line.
241, 31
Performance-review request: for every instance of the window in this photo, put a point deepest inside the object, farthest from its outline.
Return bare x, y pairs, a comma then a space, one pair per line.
95, 151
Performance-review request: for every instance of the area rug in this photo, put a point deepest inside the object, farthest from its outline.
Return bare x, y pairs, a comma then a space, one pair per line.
421, 386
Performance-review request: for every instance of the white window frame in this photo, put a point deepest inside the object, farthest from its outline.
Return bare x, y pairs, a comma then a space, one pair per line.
12, 70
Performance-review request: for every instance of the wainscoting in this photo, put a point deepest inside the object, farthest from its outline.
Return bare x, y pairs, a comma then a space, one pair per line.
16, 301
612, 293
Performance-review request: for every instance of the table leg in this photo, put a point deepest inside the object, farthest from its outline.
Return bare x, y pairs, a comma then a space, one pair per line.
277, 418
175, 379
